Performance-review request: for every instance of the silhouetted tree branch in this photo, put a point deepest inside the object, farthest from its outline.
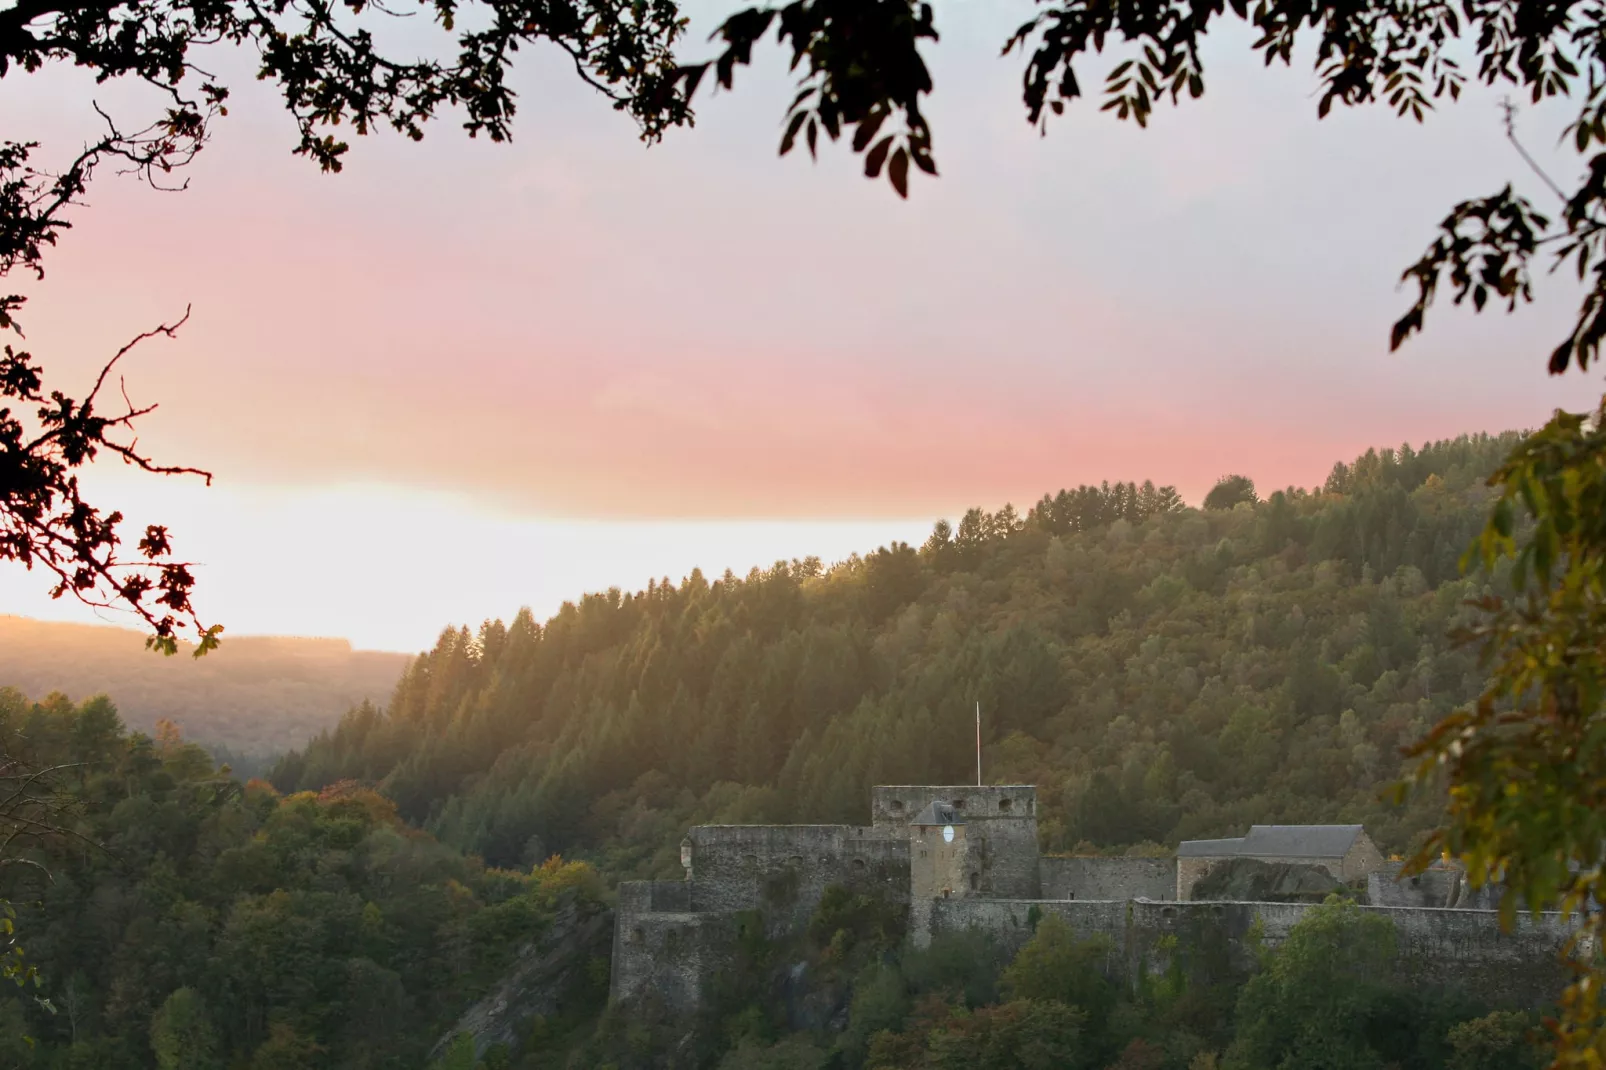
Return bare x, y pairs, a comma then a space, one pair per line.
325, 62
46, 521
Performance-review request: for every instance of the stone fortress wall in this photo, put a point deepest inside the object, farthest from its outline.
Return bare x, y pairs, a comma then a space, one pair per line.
1438, 947
786, 868
1094, 877
1440, 886
675, 938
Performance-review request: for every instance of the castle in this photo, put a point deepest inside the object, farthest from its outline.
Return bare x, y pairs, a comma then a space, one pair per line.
963, 857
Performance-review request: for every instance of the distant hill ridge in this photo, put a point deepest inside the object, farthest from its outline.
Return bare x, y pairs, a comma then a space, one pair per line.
1161, 672
255, 696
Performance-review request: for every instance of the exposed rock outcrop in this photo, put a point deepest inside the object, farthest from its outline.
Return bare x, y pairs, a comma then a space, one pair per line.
1249, 880
548, 974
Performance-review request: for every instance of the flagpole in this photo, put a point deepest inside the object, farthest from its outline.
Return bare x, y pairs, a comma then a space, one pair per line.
978, 743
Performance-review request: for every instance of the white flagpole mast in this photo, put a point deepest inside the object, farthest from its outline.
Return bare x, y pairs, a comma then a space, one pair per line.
978, 743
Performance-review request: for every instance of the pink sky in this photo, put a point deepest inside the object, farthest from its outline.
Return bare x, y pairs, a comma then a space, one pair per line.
575, 328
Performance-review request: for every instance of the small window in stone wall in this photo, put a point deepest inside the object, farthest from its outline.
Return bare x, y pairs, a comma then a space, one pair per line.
896, 806
637, 936
975, 881
924, 853
858, 865
1004, 805
958, 804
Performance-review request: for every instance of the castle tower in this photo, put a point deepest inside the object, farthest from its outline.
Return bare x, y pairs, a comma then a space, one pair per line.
940, 866
993, 853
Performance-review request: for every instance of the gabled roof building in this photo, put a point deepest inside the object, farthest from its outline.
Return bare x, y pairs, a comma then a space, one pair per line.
1344, 851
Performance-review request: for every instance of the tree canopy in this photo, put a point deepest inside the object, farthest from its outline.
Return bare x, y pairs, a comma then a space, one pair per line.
863, 73
1160, 672
1230, 491
862, 70
196, 922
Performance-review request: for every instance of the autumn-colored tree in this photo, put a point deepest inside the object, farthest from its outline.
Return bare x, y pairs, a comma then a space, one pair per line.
1500, 1040
1526, 763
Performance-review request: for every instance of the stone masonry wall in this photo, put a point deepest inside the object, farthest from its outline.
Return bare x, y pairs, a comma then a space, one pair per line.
893, 806
1465, 948
1189, 872
1003, 854
1009, 920
669, 957
784, 869
1434, 888
673, 938
938, 868
1095, 877
1363, 858
1438, 947
644, 897
1000, 831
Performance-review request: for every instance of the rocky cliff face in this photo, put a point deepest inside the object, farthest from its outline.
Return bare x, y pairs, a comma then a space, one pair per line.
550, 975
1250, 880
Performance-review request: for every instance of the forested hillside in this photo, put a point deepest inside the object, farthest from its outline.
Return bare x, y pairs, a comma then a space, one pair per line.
187, 922
1160, 672
192, 923
254, 698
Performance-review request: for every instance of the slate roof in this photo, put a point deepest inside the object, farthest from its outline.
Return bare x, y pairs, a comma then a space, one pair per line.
1278, 841
1209, 848
938, 813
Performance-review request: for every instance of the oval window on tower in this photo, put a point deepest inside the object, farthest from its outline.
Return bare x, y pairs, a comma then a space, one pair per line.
948, 834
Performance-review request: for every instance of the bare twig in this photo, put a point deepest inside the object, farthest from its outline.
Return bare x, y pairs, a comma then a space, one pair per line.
1509, 108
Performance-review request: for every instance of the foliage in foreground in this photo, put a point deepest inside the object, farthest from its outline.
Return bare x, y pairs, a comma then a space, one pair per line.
1526, 762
